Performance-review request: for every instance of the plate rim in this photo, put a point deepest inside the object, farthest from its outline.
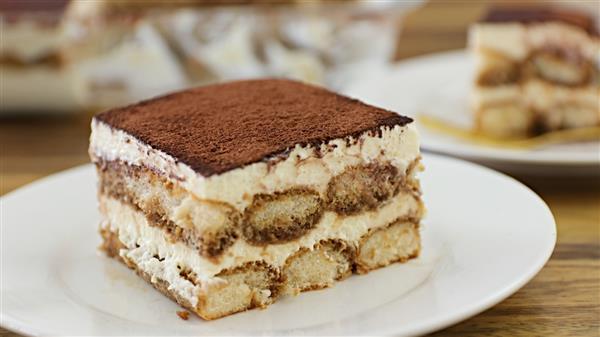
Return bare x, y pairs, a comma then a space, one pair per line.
509, 289
425, 326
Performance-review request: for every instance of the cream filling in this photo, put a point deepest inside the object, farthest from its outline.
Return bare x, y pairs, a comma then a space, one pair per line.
516, 40
142, 67
133, 230
398, 145
536, 94
28, 39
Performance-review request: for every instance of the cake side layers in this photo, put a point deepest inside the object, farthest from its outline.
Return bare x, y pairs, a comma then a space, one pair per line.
250, 284
517, 41
308, 166
511, 53
212, 227
534, 107
534, 78
133, 225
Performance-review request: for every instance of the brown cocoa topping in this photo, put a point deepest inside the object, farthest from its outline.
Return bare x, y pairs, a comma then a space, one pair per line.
219, 127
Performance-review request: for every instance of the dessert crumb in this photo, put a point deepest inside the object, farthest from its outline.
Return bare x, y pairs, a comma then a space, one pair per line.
184, 314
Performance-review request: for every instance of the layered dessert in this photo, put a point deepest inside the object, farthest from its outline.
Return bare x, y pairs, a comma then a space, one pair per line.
32, 62
120, 57
321, 42
229, 196
537, 70
101, 54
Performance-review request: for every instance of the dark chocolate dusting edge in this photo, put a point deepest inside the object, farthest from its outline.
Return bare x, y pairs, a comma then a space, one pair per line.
278, 155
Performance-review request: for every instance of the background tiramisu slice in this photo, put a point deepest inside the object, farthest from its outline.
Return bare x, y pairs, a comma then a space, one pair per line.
537, 70
119, 56
227, 196
35, 73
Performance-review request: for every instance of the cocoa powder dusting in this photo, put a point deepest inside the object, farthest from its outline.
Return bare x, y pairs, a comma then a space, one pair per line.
216, 128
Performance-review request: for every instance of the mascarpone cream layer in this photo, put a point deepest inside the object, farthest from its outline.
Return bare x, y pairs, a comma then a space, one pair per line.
134, 230
538, 94
142, 67
304, 166
517, 40
27, 39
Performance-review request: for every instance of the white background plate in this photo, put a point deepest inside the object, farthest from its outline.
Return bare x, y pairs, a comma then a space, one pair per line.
484, 237
439, 84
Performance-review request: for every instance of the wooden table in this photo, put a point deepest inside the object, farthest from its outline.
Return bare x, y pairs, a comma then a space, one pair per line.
562, 300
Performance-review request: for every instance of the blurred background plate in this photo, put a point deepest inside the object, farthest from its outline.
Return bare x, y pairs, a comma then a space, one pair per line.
439, 84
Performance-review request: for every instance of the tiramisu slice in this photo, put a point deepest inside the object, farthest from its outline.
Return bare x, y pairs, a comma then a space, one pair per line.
35, 74
226, 197
119, 56
537, 70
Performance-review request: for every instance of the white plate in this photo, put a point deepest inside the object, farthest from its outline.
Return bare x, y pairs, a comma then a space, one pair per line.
484, 237
439, 84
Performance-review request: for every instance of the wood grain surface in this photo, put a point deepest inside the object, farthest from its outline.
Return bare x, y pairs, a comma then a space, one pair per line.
562, 300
